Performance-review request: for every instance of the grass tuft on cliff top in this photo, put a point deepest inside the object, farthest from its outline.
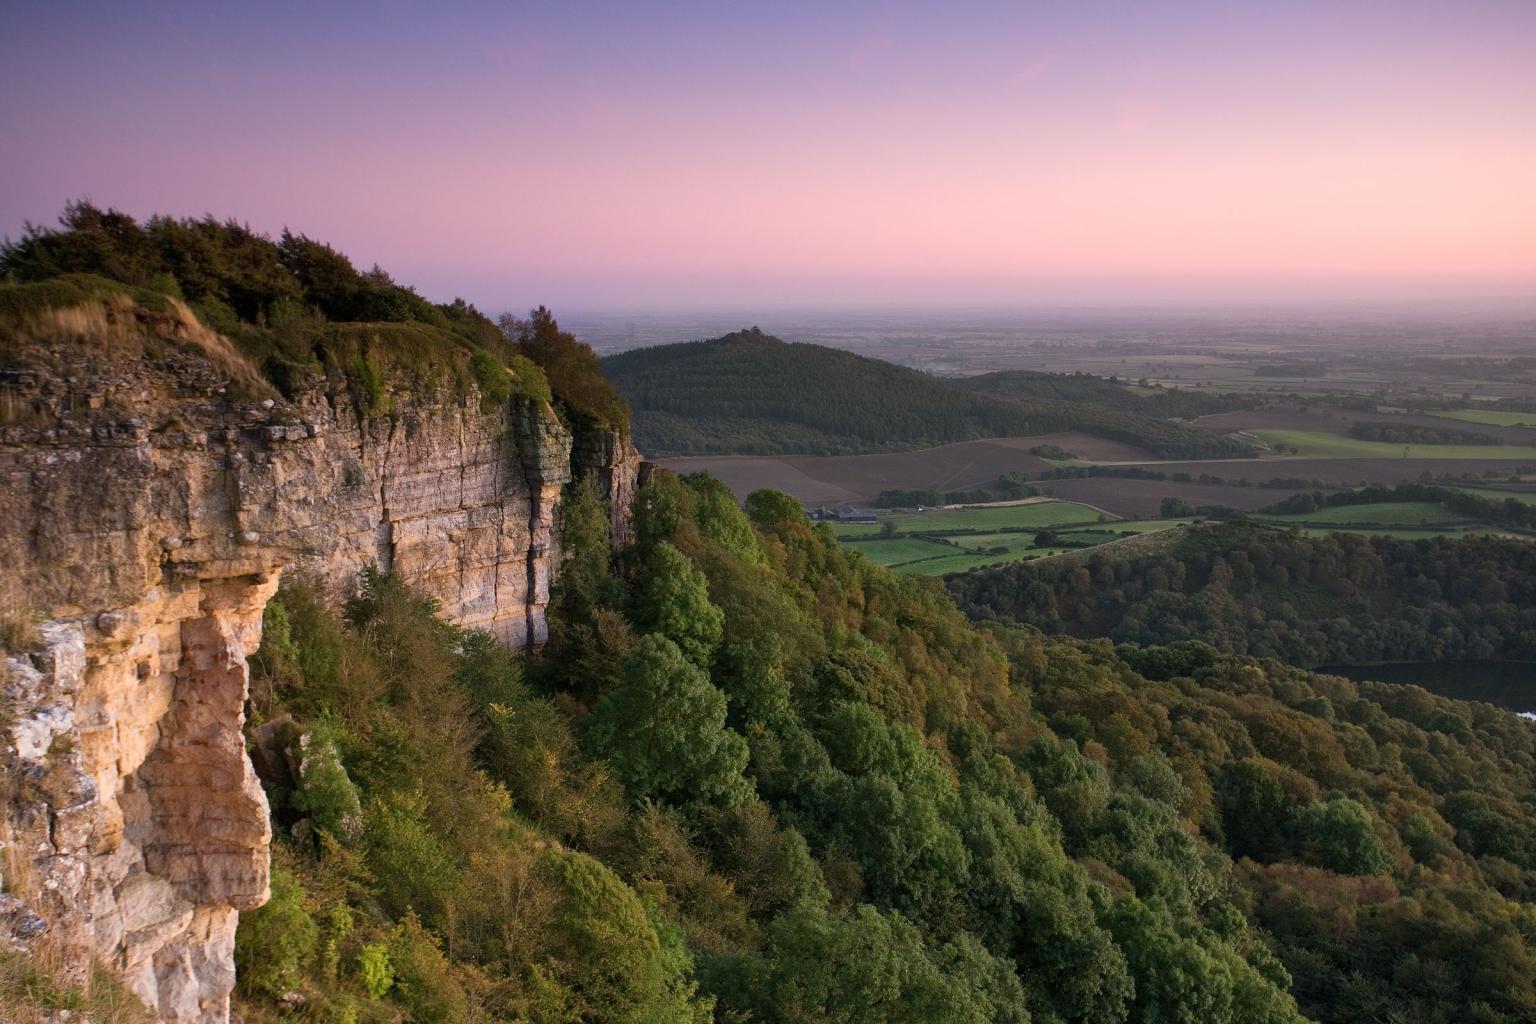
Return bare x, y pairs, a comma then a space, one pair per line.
33, 991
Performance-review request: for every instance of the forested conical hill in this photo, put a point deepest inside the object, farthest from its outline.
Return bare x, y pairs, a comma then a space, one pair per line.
750, 393
756, 777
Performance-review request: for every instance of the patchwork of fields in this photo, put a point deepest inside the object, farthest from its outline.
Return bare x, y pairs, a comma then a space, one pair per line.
941, 541
937, 542
1105, 506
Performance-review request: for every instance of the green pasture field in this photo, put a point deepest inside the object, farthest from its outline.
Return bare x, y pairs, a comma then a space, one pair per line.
996, 517
916, 556
896, 550
976, 541
1485, 492
1387, 513
855, 531
966, 562
1492, 417
1317, 444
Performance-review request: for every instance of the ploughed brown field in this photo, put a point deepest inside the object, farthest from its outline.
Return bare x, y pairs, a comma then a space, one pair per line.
1142, 499
816, 479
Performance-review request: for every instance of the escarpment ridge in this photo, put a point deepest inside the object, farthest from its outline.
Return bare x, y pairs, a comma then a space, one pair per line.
156, 483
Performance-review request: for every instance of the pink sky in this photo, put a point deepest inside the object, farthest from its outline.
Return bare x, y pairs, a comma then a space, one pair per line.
596, 155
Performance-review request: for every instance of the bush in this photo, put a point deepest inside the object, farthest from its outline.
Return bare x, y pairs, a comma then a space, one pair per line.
375, 970
1337, 835
673, 600
325, 790
276, 941
530, 378
1175, 508
663, 730
572, 369
610, 958
491, 378
424, 979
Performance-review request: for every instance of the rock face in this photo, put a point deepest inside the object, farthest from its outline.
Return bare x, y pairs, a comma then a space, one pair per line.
148, 518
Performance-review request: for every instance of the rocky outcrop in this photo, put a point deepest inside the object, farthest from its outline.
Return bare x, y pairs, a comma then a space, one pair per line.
148, 518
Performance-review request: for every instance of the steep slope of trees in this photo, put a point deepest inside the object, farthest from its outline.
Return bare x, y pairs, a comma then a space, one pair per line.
750, 393
754, 777
1251, 589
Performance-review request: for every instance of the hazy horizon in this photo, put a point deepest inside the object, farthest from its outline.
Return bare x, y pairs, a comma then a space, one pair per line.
604, 156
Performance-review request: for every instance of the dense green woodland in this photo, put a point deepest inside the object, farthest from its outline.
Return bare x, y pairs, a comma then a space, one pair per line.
1274, 592
750, 393
297, 310
755, 777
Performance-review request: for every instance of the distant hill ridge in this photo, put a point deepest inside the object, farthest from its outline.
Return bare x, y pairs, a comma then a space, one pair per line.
752, 393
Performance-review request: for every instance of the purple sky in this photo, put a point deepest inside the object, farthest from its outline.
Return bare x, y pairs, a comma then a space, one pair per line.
591, 155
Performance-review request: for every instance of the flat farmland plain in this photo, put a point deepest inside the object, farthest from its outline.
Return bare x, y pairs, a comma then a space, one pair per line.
858, 479
1327, 455
837, 479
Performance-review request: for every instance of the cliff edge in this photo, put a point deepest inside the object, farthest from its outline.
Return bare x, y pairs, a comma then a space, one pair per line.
155, 488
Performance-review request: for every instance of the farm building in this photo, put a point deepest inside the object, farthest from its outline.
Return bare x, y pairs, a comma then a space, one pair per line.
843, 514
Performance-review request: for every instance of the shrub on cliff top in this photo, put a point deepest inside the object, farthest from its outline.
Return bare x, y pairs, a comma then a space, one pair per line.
294, 307
491, 378
574, 372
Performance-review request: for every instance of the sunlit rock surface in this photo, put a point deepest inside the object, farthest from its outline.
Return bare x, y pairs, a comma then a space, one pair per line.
146, 517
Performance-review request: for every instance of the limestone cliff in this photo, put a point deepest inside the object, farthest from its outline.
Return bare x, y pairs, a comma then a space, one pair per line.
146, 516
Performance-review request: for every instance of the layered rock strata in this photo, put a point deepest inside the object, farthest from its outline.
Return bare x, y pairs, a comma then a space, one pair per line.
146, 518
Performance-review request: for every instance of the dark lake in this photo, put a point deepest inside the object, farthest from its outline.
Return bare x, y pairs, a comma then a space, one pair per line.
1509, 684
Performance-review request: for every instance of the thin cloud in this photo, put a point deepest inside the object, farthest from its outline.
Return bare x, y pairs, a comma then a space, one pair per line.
1034, 69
